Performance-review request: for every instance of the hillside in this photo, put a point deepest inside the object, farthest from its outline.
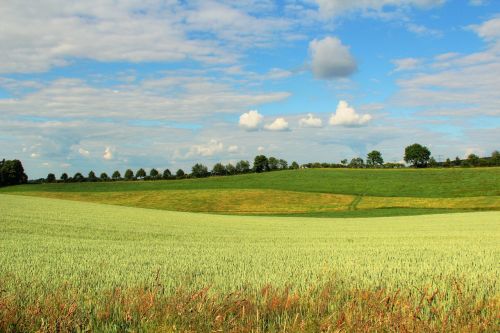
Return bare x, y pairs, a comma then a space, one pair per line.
310, 192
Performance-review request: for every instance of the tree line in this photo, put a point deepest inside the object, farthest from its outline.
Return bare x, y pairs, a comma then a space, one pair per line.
416, 155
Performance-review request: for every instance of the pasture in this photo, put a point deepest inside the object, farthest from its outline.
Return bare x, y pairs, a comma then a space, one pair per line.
311, 192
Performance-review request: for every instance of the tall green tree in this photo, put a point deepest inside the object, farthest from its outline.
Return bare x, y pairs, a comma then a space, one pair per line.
12, 173
167, 174
64, 177
294, 165
242, 167
153, 173
357, 162
51, 178
260, 164
129, 174
219, 170
140, 174
273, 163
92, 177
78, 177
282, 164
199, 171
473, 160
230, 169
495, 158
417, 155
116, 175
374, 159
104, 177
180, 174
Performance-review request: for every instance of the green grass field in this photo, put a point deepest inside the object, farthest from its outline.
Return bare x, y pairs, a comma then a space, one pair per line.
314, 192
46, 244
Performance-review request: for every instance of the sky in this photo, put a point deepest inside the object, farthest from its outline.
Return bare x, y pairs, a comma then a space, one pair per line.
107, 85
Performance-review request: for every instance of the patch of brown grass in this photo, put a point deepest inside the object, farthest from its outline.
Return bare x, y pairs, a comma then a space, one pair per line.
326, 308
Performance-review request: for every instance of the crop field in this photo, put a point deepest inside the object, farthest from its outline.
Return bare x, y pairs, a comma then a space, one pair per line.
67, 266
313, 192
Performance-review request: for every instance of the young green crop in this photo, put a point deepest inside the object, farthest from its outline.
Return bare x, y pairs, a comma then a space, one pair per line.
46, 242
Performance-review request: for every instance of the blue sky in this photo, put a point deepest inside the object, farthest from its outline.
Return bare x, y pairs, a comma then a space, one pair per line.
105, 85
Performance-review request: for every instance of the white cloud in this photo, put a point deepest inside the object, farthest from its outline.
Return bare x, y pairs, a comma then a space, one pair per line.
310, 121
173, 98
279, 124
260, 149
347, 116
488, 30
329, 8
108, 154
251, 120
211, 148
406, 64
35, 155
47, 34
233, 149
83, 152
331, 59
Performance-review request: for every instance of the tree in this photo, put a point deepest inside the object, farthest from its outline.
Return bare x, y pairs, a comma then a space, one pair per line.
357, 162
180, 173
78, 177
294, 165
129, 174
167, 174
153, 173
219, 170
140, 174
447, 163
457, 161
12, 173
242, 167
64, 177
51, 178
230, 169
473, 160
433, 163
260, 164
92, 177
374, 159
495, 158
282, 164
273, 163
104, 177
116, 175
417, 155
199, 171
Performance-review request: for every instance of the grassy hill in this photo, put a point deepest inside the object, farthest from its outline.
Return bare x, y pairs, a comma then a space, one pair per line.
79, 263
310, 192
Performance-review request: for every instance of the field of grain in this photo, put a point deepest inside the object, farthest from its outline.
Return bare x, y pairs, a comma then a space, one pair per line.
75, 254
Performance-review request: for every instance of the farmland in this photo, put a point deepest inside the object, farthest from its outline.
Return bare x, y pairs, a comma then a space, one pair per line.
314, 192
74, 254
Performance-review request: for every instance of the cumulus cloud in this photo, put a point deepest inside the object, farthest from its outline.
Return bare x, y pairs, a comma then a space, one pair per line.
83, 152
211, 148
310, 121
331, 59
260, 149
279, 124
347, 116
233, 149
251, 120
488, 30
108, 154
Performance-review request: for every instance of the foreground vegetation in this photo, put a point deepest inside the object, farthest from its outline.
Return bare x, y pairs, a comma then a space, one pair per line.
117, 268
